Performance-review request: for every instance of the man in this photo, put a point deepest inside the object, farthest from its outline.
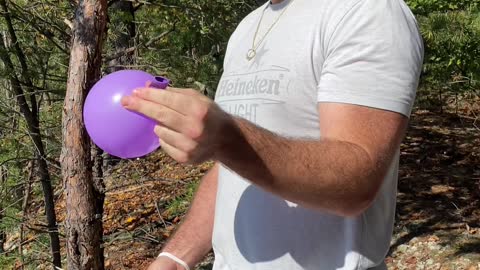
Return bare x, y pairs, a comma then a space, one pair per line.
305, 128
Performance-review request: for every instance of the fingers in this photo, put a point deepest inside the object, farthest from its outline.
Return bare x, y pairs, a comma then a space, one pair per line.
161, 114
175, 153
185, 91
172, 98
184, 117
176, 139
189, 92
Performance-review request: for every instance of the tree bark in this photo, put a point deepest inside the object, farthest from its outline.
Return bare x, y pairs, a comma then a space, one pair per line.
3, 235
25, 210
84, 200
3, 180
31, 117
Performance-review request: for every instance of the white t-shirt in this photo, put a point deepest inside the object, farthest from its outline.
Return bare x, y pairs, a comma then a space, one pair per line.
364, 52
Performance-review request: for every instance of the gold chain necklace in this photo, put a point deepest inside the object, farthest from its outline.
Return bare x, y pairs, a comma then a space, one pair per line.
253, 51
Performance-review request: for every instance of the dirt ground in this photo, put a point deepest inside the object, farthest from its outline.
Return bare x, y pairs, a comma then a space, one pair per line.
438, 210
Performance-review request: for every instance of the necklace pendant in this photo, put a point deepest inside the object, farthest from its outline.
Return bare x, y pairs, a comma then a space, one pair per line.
251, 54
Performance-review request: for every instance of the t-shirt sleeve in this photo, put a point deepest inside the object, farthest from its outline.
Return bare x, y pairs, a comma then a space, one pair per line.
373, 57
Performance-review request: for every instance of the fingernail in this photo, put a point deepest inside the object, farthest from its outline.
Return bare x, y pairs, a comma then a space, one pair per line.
139, 92
126, 101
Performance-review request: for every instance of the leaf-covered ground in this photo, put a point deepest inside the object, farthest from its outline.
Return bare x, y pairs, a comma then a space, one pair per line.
438, 209
146, 199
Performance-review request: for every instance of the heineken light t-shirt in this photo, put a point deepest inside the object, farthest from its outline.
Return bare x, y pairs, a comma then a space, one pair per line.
363, 52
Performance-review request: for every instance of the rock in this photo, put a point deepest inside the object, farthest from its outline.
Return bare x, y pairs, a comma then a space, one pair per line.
414, 240
402, 248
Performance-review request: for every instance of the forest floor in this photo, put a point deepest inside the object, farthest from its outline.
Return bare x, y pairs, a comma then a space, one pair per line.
438, 210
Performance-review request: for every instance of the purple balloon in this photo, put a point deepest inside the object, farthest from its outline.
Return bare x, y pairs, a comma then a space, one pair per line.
111, 127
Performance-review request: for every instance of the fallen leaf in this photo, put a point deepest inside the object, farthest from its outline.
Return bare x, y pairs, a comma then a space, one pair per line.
433, 238
439, 189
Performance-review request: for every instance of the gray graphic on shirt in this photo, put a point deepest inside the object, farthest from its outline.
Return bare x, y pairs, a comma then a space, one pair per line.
244, 93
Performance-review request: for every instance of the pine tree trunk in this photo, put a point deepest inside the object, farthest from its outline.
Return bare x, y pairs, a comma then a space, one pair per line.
84, 202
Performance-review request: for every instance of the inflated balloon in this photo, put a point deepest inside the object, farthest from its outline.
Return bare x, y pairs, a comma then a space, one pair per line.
111, 127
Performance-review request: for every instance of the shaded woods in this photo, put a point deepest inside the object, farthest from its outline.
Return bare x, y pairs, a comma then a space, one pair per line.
66, 204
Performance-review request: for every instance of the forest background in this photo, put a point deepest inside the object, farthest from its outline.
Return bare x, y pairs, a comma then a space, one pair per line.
136, 204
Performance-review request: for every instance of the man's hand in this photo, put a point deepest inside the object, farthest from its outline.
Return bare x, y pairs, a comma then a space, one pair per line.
164, 263
189, 126
340, 173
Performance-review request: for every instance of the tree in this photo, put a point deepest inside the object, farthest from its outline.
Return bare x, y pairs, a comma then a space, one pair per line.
84, 197
31, 116
122, 35
121, 40
3, 179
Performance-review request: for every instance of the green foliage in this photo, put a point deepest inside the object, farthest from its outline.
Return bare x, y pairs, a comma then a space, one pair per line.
193, 51
451, 32
11, 219
452, 42
14, 154
425, 7
180, 204
7, 262
184, 40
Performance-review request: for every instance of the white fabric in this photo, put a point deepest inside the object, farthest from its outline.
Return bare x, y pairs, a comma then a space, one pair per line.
364, 52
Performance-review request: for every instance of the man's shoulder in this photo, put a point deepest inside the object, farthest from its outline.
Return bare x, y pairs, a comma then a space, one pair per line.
323, 8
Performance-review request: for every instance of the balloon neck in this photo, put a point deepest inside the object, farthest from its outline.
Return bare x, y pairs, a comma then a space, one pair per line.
160, 82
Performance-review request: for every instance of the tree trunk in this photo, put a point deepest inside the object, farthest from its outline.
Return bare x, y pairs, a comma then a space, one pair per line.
3, 235
83, 224
3, 180
25, 210
31, 118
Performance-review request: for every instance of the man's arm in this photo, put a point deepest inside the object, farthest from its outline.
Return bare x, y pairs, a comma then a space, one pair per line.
341, 173
193, 239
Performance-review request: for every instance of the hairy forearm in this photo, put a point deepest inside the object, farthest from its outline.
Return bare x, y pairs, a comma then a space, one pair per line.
193, 239
334, 176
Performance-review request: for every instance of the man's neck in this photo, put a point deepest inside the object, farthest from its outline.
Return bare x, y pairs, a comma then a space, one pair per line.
276, 1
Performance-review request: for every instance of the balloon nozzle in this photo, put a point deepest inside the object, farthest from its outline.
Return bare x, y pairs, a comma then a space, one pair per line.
160, 82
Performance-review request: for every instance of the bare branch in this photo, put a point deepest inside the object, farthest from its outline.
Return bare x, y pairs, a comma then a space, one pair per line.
22, 59
162, 35
128, 51
131, 50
